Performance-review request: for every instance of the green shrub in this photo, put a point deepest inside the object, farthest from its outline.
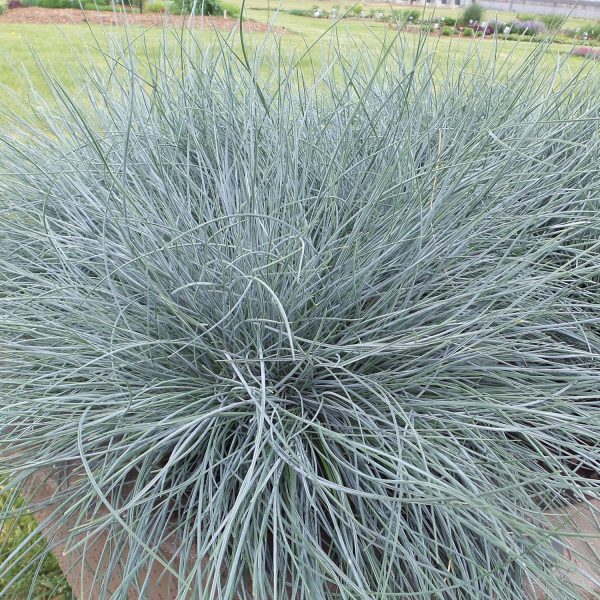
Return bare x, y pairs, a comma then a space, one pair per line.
357, 9
450, 21
468, 31
95, 6
300, 12
472, 12
156, 6
89, 5
59, 3
232, 8
592, 28
206, 7
406, 15
448, 30
527, 17
324, 341
530, 28
552, 22
2, 8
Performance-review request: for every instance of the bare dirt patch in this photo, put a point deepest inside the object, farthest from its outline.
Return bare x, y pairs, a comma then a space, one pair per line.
70, 16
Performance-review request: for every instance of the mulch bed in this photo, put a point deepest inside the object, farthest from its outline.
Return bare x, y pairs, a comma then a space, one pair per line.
72, 16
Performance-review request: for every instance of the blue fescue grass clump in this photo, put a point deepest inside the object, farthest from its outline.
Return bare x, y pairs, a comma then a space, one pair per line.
330, 333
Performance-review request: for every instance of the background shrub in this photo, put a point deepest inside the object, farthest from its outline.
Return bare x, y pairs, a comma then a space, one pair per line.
527, 17
552, 22
340, 339
206, 7
156, 6
528, 27
300, 12
586, 52
592, 28
409, 15
102, 7
58, 3
357, 9
233, 9
471, 12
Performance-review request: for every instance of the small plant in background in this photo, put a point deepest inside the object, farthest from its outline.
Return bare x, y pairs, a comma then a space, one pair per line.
232, 8
199, 7
357, 9
586, 52
552, 22
156, 6
102, 7
300, 12
406, 16
473, 13
58, 3
590, 29
325, 341
528, 27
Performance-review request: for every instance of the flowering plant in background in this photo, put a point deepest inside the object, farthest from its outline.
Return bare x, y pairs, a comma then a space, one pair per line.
586, 52
529, 27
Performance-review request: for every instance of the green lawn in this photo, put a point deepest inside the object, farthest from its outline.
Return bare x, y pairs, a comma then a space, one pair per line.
59, 48
49, 583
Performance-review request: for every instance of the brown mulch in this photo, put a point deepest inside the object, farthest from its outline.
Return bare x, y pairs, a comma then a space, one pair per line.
70, 16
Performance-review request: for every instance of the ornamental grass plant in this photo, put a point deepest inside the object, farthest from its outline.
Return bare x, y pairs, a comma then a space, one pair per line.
329, 331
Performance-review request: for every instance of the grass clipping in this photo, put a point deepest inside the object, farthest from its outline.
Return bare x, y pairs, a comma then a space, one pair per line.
331, 332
